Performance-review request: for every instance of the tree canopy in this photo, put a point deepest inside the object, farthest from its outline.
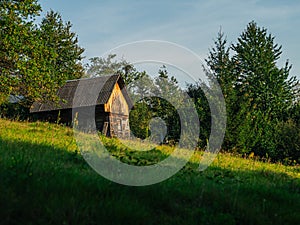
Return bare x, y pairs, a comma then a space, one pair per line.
35, 60
100, 66
259, 94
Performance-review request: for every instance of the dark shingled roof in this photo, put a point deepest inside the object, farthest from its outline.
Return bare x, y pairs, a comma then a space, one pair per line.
84, 92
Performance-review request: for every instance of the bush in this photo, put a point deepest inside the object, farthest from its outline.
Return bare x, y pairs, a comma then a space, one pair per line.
287, 143
14, 111
256, 134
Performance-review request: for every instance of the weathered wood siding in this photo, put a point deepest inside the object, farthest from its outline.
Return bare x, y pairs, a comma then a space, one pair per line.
117, 103
119, 125
118, 114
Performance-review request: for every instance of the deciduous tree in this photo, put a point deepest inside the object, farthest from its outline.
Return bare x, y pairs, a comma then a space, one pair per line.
35, 60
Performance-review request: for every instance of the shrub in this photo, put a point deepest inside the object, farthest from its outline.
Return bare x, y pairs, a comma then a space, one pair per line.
14, 111
287, 142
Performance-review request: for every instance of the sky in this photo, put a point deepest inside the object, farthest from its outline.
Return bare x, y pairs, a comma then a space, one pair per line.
105, 25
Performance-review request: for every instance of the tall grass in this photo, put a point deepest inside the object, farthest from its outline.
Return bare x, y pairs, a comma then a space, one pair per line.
44, 180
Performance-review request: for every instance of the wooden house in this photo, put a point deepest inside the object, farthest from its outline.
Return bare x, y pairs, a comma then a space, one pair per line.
100, 103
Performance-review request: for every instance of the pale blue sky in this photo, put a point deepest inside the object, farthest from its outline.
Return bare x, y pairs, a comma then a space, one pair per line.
103, 25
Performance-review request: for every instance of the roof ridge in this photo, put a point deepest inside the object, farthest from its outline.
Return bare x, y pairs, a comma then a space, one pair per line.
90, 78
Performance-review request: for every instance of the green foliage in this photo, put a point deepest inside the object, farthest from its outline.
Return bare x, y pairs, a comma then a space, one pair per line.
13, 111
256, 135
196, 93
107, 66
156, 98
261, 84
220, 69
139, 119
18, 41
101, 66
141, 114
167, 105
260, 97
265, 91
220, 65
294, 111
61, 43
35, 61
287, 139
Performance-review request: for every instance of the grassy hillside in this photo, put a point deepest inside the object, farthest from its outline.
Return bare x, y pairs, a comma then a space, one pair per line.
44, 180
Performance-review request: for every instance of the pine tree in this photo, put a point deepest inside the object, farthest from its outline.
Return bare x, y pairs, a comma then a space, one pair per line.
220, 70
220, 65
264, 91
261, 83
62, 44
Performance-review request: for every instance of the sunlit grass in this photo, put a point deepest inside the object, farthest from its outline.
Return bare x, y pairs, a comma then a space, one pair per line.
45, 180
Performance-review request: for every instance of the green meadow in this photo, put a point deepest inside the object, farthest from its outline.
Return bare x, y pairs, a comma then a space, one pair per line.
45, 180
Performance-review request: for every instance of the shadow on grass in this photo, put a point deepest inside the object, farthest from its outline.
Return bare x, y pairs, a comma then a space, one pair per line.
41, 184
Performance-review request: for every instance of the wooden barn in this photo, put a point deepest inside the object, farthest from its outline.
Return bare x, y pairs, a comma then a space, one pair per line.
100, 103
